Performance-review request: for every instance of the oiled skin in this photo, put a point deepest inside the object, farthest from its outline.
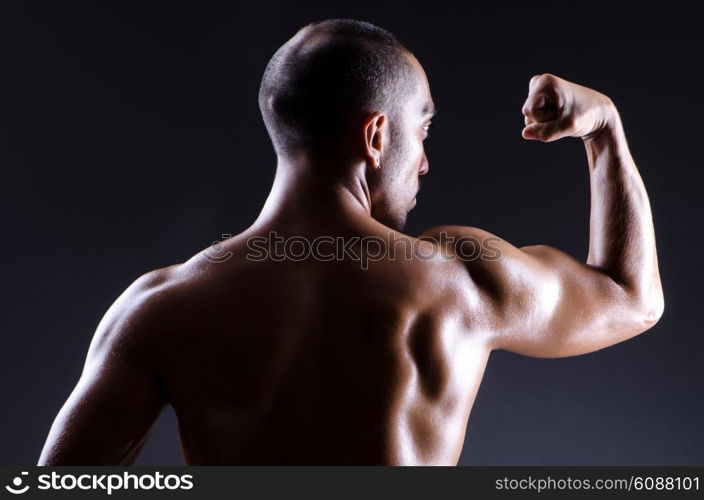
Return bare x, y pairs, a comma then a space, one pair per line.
330, 364
325, 362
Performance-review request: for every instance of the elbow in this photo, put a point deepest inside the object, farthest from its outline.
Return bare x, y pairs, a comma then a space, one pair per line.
656, 309
650, 310
643, 305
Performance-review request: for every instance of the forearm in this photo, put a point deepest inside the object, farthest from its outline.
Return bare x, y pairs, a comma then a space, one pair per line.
622, 237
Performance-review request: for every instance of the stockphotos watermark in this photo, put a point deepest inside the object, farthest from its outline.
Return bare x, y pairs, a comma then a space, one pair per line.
362, 249
102, 482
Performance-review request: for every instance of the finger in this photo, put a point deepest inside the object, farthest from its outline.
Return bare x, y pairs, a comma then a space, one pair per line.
542, 79
533, 81
540, 106
547, 131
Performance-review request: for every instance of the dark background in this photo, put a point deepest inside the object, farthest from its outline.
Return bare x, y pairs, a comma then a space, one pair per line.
131, 139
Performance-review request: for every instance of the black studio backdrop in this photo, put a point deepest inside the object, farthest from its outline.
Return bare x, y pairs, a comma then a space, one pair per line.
130, 139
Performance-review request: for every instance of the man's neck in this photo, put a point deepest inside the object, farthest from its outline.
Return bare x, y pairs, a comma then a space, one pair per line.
303, 189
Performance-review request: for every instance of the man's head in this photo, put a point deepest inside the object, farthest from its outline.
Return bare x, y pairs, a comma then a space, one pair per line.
349, 92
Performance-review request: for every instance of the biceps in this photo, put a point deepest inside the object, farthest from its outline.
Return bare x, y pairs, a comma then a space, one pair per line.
107, 416
561, 307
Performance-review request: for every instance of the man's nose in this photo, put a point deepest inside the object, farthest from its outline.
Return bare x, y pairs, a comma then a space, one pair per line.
424, 166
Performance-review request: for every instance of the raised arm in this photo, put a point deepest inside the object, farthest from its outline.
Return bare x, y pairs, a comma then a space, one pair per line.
108, 415
542, 302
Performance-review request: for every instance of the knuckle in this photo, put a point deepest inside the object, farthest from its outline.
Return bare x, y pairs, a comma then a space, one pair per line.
527, 108
546, 81
549, 77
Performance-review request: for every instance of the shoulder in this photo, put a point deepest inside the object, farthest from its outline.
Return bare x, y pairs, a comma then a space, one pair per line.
479, 246
454, 230
150, 289
152, 280
466, 267
497, 272
466, 243
133, 322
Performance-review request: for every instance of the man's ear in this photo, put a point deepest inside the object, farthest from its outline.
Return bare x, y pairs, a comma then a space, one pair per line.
374, 128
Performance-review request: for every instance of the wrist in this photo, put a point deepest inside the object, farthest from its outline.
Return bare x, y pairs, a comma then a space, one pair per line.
608, 141
608, 131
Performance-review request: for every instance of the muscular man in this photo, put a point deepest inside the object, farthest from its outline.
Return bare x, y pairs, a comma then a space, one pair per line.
286, 357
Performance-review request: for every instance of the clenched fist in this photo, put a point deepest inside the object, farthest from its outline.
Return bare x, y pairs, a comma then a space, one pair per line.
556, 108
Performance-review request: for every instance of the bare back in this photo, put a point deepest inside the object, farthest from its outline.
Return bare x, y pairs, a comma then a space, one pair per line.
307, 361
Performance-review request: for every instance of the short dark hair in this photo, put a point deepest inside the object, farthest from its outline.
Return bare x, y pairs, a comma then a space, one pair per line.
329, 72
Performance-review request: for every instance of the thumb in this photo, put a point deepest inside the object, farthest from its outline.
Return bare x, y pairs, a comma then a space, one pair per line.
546, 131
